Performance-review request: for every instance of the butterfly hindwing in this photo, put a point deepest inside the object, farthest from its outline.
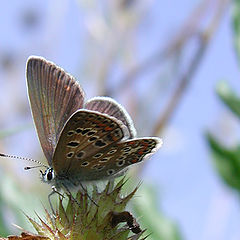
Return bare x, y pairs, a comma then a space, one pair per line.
109, 106
113, 159
84, 135
54, 96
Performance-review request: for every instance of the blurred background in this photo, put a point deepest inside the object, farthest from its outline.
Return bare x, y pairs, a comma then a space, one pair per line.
174, 65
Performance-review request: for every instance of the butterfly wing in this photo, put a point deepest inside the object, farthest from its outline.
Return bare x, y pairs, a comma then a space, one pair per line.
84, 135
109, 106
113, 159
54, 96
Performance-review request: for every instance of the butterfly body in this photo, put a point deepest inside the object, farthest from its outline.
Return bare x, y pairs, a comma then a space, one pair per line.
82, 141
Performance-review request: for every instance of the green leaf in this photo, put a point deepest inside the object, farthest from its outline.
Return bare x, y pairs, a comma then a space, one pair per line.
236, 26
159, 227
227, 162
4, 231
229, 97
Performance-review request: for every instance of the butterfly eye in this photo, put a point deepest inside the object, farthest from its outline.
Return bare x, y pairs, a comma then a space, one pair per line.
50, 174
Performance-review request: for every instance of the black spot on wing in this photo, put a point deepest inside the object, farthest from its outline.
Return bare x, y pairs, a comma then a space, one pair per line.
100, 143
73, 144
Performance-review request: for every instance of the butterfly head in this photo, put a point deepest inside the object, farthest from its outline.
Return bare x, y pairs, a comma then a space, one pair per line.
48, 176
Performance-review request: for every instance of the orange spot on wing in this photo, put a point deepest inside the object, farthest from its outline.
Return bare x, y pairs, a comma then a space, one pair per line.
114, 138
108, 128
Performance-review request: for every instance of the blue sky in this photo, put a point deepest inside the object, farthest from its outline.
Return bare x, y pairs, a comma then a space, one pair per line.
190, 192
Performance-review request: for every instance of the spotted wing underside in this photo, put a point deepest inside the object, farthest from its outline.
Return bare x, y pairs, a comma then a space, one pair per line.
84, 135
54, 96
113, 159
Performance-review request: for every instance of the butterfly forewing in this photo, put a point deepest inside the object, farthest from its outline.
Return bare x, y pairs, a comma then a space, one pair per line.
112, 108
54, 96
84, 135
113, 159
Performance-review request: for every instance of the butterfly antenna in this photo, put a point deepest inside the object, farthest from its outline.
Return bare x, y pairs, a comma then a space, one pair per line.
31, 167
26, 159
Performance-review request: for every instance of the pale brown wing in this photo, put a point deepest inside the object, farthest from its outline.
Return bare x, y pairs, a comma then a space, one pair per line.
109, 106
84, 135
112, 160
54, 96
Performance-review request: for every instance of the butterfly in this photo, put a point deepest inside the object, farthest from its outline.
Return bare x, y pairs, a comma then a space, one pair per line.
81, 140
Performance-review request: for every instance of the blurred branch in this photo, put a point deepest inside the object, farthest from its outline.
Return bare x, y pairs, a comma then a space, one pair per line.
121, 30
182, 85
187, 31
204, 39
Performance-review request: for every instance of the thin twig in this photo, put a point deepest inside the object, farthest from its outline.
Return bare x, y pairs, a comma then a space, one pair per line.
187, 76
187, 31
183, 83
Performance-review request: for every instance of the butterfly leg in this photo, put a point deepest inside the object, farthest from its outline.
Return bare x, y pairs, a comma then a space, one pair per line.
85, 190
54, 190
70, 194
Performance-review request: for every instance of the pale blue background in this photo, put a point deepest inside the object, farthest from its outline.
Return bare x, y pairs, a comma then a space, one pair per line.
190, 191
